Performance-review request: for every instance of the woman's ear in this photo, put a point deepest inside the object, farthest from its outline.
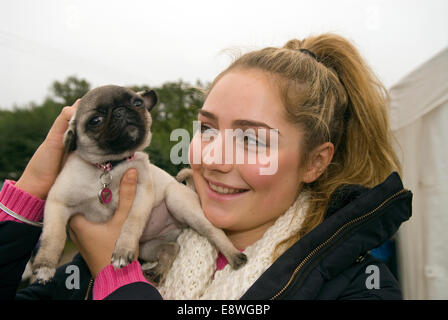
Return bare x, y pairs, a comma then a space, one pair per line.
70, 135
318, 161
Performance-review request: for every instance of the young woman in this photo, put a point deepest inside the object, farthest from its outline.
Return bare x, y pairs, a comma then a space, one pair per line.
306, 228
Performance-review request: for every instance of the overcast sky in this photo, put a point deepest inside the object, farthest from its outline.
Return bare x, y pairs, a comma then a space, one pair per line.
151, 42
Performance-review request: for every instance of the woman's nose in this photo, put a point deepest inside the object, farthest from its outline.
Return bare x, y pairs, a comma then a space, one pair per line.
218, 154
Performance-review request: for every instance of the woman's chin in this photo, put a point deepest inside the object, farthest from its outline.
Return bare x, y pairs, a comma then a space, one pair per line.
219, 218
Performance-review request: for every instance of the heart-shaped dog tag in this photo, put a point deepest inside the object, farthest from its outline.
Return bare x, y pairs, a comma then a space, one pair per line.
105, 195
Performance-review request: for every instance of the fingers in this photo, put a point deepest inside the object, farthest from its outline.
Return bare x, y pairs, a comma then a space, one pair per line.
68, 111
72, 225
128, 188
60, 125
76, 222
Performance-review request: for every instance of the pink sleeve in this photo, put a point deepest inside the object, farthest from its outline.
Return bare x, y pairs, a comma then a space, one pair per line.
21, 202
108, 280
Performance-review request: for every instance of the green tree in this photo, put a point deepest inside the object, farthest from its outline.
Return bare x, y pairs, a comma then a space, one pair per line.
68, 91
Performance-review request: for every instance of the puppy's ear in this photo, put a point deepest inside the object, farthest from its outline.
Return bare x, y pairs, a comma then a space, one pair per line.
150, 98
70, 136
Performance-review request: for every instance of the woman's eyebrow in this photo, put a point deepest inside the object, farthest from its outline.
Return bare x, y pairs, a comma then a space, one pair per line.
239, 123
252, 123
208, 114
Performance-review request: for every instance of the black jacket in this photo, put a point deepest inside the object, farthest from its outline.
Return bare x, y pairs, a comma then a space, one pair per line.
330, 262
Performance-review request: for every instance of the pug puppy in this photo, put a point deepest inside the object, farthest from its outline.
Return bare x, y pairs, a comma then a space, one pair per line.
105, 137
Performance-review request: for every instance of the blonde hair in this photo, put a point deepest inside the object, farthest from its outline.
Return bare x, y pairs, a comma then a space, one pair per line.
332, 94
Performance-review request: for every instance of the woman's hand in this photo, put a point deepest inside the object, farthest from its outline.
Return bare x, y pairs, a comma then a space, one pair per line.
96, 241
44, 166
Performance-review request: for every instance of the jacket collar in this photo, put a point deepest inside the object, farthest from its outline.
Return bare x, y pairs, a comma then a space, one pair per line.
358, 219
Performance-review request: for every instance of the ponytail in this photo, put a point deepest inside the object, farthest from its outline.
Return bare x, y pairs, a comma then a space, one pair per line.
368, 154
360, 128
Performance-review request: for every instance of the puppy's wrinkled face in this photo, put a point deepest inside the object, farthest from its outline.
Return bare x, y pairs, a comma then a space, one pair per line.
111, 123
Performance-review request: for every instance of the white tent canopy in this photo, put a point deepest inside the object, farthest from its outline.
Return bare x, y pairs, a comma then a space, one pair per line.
419, 119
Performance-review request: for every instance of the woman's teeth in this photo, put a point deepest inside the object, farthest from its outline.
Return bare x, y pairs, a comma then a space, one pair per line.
223, 190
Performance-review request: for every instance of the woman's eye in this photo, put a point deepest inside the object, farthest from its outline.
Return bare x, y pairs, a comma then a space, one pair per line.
208, 132
138, 103
253, 141
250, 140
204, 127
95, 121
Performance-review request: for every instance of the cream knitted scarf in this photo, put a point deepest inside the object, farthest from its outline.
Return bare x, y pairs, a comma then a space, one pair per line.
193, 275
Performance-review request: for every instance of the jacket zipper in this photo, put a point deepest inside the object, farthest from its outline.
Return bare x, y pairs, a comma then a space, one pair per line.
88, 289
326, 242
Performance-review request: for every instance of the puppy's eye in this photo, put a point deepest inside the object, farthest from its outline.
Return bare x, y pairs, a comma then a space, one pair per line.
95, 121
138, 103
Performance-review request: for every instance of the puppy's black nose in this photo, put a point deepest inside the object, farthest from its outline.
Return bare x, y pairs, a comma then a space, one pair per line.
119, 112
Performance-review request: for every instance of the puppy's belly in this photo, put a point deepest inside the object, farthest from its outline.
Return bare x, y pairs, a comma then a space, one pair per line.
160, 223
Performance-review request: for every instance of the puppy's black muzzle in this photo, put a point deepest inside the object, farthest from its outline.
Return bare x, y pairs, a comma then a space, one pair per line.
119, 113
126, 130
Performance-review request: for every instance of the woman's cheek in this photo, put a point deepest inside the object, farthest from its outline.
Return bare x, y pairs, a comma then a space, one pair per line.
257, 182
277, 186
264, 172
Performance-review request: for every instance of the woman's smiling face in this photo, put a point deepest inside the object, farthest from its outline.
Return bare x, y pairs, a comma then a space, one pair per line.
235, 196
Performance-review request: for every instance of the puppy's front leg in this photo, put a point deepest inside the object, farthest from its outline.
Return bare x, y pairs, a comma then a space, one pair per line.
52, 241
128, 241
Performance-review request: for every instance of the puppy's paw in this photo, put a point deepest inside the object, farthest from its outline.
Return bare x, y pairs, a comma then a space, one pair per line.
44, 274
122, 256
154, 274
184, 174
238, 260
148, 265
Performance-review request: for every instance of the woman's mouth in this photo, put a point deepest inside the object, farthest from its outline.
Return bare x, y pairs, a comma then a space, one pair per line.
223, 192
